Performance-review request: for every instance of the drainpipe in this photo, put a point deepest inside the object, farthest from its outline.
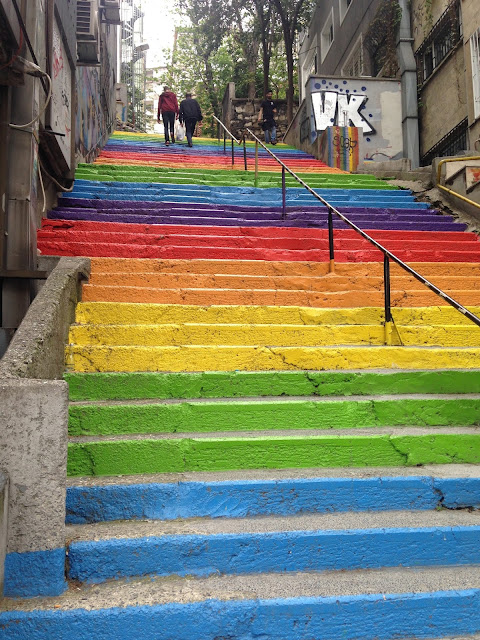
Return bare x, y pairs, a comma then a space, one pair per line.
408, 70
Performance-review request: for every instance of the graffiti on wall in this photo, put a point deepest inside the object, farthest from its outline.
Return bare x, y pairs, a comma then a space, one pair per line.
89, 116
368, 104
339, 147
334, 109
61, 100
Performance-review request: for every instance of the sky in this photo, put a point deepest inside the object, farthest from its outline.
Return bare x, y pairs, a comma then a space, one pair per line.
158, 29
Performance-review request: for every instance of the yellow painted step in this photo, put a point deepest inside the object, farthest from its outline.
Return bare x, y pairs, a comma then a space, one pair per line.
263, 334
138, 313
227, 358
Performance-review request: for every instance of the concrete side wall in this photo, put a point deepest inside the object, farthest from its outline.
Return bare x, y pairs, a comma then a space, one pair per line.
33, 452
33, 438
37, 349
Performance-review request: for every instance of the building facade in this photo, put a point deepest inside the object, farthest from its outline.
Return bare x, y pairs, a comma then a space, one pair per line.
58, 69
438, 40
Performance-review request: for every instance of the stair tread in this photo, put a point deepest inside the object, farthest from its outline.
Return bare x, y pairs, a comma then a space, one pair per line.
270, 400
308, 434
352, 473
323, 522
152, 590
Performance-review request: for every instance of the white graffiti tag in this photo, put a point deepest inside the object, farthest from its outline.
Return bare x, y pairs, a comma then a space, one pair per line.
331, 108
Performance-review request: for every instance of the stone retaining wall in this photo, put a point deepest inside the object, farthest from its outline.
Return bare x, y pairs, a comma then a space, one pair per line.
242, 113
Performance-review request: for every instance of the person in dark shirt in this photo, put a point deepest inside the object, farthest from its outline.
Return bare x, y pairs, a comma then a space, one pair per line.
168, 109
266, 117
190, 114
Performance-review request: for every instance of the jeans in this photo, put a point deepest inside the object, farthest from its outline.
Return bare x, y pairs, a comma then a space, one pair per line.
271, 135
190, 124
168, 124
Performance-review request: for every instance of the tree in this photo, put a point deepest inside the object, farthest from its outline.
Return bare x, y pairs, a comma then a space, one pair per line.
269, 36
247, 35
209, 24
293, 15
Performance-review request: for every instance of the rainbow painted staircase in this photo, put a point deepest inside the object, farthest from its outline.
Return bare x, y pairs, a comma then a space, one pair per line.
249, 459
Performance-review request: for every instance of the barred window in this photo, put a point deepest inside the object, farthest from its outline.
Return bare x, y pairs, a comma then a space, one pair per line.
442, 39
449, 145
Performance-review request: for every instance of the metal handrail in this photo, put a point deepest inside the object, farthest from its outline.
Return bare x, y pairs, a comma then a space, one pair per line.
225, 132
387, 255
450, 191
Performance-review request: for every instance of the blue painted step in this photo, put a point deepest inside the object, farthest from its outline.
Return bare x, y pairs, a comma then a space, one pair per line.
363, 617
277, 551
246, 498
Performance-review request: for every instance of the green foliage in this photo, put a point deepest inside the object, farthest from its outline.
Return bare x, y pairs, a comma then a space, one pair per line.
240, 41
380, 39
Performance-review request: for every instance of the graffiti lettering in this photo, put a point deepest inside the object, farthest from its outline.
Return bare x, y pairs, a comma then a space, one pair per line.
331, 108
344, 143
57, 64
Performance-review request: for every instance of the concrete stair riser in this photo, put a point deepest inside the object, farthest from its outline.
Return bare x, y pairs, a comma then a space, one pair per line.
164, 455
112, 249
204, 416
94, 562
264, 358
245, 499
368, 617
148, 386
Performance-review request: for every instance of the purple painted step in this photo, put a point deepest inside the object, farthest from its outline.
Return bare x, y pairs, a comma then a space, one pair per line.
377, 222
206, 214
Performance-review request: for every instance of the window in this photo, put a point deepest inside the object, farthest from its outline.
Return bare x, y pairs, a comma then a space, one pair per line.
344, 6
475, 54
451, 144
354, 66
442, 39
327, 36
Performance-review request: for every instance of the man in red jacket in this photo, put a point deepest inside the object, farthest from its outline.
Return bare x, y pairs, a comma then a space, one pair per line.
168, 108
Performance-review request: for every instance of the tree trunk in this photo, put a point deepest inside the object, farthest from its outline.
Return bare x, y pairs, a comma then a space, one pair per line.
290, 75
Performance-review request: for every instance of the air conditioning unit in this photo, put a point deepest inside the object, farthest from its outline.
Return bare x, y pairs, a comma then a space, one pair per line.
111, 11
88, 40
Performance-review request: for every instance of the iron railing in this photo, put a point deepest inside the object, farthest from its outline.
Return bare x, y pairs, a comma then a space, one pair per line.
387, 255
233, 139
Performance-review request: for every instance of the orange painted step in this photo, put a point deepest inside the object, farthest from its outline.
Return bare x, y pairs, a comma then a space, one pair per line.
273, 297
264, 268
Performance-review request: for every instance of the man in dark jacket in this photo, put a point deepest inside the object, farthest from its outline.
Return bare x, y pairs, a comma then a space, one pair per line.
190, 114
168, 108
266, 117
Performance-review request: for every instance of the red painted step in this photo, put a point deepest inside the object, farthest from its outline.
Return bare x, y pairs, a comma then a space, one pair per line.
290, 232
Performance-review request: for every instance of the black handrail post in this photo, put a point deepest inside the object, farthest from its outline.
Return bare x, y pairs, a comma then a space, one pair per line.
224, 142
233, 154
245, 152
456, 305
331, 246
388, 308
284, 196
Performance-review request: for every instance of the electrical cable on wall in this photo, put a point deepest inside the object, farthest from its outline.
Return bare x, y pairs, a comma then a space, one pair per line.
60, 187
34, 70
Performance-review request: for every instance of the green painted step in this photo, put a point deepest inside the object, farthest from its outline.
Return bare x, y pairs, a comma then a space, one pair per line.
121, 457
138, 386
125, 173
256, 415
